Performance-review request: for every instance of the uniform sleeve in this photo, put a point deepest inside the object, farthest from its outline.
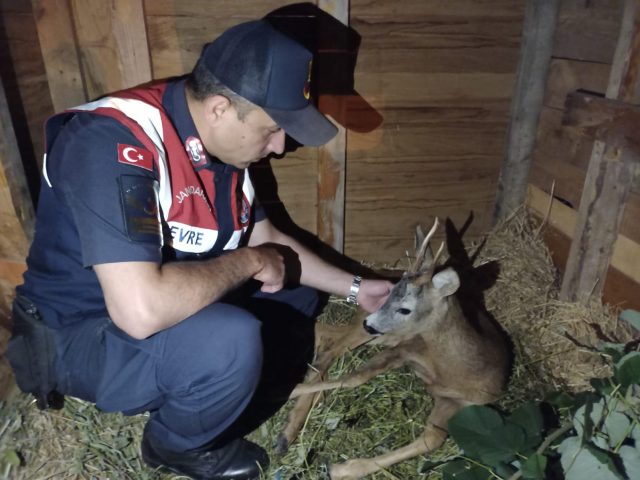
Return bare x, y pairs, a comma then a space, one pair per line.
104, 175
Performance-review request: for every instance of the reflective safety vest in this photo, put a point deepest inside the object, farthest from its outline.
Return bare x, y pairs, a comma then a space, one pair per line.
186, 194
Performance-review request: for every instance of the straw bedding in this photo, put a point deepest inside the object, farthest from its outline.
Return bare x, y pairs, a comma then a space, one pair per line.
553, 350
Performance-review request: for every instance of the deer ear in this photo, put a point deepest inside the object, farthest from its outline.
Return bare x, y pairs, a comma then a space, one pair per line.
446, 282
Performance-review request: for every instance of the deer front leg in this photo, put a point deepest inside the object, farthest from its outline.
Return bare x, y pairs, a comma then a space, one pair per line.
331, 342
385, 360
359, 467
431, 438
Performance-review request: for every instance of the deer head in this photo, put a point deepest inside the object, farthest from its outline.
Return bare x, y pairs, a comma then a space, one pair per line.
419, 300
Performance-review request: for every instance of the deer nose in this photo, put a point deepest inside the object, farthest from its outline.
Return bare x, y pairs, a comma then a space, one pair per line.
369, 329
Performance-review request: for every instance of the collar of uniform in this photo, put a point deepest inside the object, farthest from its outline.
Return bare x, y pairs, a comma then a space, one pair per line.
175, 103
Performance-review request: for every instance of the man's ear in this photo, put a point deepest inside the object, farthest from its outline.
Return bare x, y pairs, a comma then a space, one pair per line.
215, 106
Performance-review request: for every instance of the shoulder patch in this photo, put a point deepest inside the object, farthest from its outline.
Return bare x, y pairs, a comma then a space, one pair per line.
140, 207
136, 156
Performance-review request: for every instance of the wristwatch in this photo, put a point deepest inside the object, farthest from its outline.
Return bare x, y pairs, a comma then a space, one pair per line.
353, 291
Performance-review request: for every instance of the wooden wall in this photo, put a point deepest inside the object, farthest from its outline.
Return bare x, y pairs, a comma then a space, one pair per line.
438, 75
585, 41
441, 74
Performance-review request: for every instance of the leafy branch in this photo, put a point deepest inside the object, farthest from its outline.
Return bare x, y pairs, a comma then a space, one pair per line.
599, 436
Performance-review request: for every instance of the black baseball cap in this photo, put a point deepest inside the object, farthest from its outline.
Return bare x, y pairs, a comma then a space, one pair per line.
273, 71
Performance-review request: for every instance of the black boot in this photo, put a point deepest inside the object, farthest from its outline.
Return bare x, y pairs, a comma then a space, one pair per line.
239, 459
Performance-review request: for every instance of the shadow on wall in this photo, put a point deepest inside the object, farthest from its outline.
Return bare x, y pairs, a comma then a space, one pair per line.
9, 81
335, 48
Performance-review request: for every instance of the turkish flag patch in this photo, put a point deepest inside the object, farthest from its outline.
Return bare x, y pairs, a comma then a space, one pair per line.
136, 156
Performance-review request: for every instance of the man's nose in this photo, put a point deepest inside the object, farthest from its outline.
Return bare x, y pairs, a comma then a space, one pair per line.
276, 142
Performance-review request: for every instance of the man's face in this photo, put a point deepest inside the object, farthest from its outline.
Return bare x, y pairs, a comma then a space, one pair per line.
243, 142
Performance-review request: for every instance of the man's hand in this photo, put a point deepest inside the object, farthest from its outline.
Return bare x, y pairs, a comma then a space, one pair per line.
272, 272
373, 294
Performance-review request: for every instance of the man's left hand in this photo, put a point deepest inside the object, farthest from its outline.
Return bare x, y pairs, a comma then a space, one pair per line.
373, 294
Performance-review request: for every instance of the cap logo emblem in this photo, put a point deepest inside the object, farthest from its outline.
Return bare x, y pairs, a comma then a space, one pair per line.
306, 91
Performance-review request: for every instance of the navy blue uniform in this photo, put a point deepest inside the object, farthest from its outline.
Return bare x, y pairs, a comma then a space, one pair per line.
103, 202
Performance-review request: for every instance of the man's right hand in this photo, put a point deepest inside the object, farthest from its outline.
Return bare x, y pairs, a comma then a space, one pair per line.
272, 273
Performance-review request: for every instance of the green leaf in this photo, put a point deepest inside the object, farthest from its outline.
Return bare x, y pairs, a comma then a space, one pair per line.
472, 425
533, 468
561, 400
603, 386
584, 423
482, 434
632, 317
583, 462
503, 445
461, 470
616, 426
627, 370
614, 350
529, 418
631, 460
505, 470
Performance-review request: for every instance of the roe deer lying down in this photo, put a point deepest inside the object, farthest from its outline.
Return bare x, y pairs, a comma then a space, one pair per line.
461, 360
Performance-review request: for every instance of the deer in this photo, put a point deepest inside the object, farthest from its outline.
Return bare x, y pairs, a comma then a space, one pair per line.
463, 358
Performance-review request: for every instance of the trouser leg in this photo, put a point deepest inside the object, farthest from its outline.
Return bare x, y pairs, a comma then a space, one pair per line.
195, 378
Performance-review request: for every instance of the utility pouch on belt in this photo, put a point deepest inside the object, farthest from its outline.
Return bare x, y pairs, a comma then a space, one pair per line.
32, 355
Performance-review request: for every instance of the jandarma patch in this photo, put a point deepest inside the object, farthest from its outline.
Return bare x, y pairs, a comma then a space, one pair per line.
140, 207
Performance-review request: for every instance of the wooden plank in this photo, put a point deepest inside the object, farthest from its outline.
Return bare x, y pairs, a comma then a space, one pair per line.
566, 76
625, 253
609, 178
610, 121
59, 51
435, 32
112, 41
14, 191
588, 30
332, 156
25, 84
539, 26
248, 10
619, 291
385, 8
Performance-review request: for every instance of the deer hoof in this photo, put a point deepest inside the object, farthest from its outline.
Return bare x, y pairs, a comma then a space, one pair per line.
282, 444
352, 469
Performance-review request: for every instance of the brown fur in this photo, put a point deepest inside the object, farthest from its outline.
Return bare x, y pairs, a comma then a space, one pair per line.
462, 362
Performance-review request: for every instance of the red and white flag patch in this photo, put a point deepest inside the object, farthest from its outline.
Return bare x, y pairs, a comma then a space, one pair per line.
136, 156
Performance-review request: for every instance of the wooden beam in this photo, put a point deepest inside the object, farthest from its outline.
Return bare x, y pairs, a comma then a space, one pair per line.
332, 158
112, 40
526, 105
613, 122
625, 255
54, 21
16, 207
609, 177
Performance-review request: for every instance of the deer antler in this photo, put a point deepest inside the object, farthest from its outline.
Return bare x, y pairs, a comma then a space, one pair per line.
425, 277
428, 275
423, 249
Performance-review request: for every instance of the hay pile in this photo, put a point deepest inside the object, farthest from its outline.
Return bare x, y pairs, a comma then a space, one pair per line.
551, 341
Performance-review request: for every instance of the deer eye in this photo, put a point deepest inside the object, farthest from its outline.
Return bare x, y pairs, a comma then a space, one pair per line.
403, 311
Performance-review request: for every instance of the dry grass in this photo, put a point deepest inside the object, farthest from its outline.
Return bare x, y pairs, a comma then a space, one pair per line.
552, 342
